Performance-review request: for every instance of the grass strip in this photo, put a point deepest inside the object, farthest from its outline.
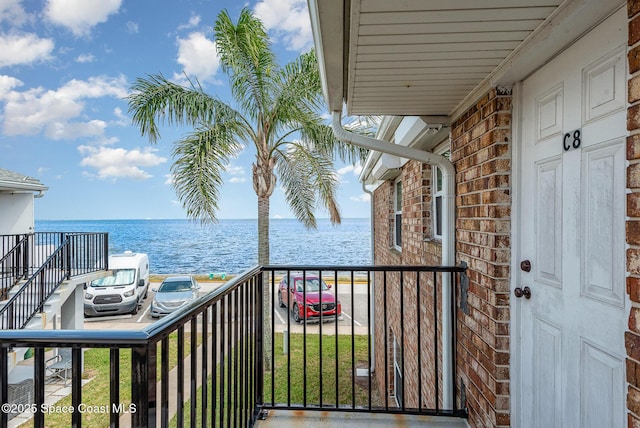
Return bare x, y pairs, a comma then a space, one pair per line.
96, 392
330, 379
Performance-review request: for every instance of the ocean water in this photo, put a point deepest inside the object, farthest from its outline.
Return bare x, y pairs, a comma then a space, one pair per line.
230, 246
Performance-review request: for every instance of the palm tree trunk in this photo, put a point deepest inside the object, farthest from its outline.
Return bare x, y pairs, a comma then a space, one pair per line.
263, 230
263, 259
264, 182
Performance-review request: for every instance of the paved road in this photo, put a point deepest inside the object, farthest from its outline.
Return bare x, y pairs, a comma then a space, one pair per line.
355, 314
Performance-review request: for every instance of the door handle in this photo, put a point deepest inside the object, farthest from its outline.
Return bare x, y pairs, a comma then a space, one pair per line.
522, 292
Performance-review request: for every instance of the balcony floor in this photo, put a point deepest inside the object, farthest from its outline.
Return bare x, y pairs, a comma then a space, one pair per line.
322, 419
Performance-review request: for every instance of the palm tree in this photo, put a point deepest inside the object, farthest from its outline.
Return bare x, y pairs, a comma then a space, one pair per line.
275, 112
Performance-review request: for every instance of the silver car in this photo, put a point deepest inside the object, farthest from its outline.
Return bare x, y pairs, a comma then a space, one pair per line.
174, 292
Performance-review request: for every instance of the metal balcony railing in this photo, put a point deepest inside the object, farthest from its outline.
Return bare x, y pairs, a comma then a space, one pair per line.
44, 260
360, 339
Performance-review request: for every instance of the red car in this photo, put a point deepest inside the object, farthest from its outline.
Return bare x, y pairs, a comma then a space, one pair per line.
292, 297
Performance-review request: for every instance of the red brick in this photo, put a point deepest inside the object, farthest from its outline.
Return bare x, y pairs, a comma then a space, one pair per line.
632, 344
633, 232
633, 204
633, 400
633, 261
633, 288
634, 30
634, 320
633, 7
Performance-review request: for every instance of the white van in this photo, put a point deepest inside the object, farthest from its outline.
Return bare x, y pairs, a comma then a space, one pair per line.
123, 290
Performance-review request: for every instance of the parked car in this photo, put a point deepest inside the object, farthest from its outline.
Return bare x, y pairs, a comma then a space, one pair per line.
122, 291
174, 292
319, 300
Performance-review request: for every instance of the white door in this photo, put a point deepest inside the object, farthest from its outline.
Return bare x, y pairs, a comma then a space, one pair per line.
571, 354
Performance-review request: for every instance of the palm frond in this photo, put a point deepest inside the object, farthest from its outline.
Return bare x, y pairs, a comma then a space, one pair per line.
309, 180
156, 100
321, 137
200, 160
246, 57
298, 95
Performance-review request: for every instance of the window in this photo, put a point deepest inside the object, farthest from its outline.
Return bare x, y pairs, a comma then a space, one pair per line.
437, 193
437, 202
397, 219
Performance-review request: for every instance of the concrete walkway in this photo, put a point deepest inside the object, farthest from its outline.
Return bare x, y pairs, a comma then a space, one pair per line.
54, 389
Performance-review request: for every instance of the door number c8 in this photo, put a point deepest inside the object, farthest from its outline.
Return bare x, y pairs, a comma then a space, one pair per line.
572, 139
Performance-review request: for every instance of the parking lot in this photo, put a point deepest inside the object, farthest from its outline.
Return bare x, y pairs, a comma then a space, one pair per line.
354, 312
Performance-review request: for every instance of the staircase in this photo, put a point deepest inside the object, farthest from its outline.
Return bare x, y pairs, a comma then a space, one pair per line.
39, 272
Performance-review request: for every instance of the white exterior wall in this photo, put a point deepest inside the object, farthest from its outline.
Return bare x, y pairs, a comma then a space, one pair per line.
16, 213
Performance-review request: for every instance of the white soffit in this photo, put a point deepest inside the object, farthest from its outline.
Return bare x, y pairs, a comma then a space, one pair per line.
387, 167
422, 57
428, 57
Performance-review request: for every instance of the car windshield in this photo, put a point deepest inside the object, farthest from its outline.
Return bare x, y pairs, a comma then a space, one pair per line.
313, 284
170, 286
119, 277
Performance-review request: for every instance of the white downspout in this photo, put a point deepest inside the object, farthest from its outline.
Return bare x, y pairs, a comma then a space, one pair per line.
372, 303
448, 227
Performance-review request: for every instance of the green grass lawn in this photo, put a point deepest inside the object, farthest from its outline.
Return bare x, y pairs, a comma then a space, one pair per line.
343, 380
96, 392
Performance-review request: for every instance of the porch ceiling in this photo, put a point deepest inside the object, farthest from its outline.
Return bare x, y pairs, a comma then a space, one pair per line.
429, 57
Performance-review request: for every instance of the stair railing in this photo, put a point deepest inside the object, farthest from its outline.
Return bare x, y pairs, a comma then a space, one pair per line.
13, 264
76, 254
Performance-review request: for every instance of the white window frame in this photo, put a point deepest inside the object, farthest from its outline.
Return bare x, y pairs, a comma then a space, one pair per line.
437, 192
397, 215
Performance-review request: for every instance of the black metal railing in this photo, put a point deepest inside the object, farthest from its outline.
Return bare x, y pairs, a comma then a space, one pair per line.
213, 341
45, 260
384, 352
223, 361
14, 253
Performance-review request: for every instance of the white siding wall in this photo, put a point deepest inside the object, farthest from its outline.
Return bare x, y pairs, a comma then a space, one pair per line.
16, 213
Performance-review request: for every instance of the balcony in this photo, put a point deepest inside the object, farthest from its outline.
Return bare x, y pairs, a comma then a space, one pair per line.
263, 350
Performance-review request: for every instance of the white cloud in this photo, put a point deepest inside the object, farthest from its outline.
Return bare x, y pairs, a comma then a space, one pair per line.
194, 21
85, 58
7, 84
70, 130
13, 12
132, 27
237, 173
365, 197
198, 57
80, 16
55, 113
24, 49
122, 119
289, 20
234, 170
115, 163
169, 179
354, 169
349, 169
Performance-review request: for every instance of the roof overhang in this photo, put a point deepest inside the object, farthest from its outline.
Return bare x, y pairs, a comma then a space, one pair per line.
13, 182
436, 58
417, 132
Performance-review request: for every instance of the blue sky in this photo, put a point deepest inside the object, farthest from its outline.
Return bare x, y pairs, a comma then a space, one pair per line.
65, 68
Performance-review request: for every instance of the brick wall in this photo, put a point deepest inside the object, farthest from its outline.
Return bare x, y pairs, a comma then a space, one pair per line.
481, 153
417, 249
632, 338
480, 150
